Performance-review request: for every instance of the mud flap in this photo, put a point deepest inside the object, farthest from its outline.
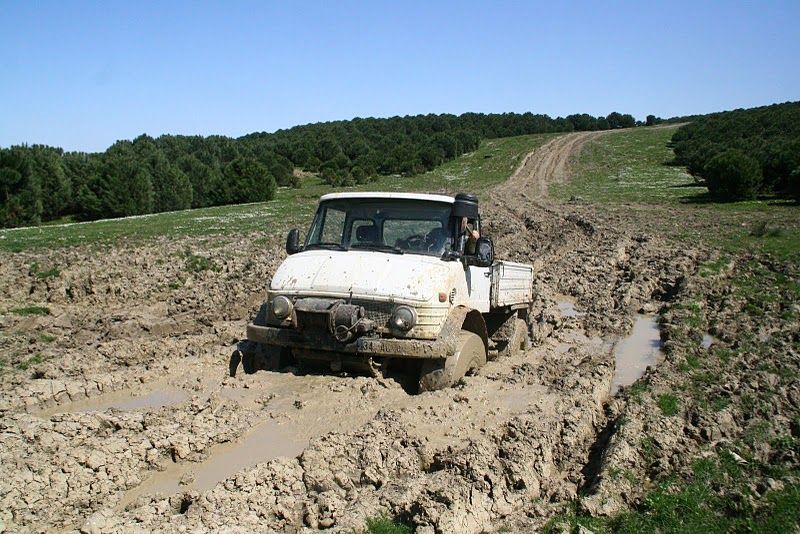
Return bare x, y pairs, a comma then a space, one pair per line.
257, 357
233, 364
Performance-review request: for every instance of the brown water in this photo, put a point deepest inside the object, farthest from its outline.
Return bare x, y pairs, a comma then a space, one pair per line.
266, 441
290, 411
123, 400
520, 400
566, 306
572, 338
634, 354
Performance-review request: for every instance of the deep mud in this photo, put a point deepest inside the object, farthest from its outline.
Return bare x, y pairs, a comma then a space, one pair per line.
126, 417
731, 361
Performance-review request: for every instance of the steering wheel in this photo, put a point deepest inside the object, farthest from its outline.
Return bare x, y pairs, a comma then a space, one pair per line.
434, 239
416, 241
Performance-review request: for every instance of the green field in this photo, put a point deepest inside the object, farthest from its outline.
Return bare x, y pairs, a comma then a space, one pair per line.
492, 163
629, 166
631, 170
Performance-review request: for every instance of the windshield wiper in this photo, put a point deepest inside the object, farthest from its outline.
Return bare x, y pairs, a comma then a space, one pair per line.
378, 247
328, 246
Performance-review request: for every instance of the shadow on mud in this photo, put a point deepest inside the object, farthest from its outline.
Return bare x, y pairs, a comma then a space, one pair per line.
593, 468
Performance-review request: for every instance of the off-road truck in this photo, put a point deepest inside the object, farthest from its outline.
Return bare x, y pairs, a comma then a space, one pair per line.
390, 279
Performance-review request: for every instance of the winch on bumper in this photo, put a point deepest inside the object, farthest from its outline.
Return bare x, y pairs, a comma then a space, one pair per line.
324, 324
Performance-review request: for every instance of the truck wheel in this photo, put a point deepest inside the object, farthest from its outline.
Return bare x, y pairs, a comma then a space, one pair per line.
439, 374
518, 340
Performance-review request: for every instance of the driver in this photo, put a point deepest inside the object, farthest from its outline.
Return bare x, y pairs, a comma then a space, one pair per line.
468, 228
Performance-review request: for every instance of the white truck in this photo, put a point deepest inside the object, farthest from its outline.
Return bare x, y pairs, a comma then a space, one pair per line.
391, 280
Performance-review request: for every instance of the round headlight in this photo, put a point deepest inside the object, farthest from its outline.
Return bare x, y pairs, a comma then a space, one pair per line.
281, 307
403, 318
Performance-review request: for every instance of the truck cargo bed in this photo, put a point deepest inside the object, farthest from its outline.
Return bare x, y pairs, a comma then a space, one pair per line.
512, 284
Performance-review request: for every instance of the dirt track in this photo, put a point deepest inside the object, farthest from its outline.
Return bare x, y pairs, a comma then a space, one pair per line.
548, 165
132, 422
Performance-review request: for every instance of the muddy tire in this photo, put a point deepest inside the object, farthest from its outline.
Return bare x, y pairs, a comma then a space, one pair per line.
439, 374
519, 339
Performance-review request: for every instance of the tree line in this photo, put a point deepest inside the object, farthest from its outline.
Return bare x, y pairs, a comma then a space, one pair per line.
173, 172
743, 153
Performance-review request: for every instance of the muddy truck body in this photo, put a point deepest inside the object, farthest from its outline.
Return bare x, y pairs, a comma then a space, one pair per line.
388, 280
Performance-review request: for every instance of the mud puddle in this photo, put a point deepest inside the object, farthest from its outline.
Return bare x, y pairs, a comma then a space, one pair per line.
123, 400
634, 354
265, 442
289, 410
566, 307
574, 339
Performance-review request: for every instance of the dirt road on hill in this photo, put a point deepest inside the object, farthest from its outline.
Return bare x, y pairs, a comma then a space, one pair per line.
127, 419
547, 165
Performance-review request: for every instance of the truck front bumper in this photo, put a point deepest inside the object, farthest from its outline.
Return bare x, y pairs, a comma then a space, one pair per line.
363, 346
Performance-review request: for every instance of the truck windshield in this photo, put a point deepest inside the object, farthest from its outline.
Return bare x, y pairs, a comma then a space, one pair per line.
396, 226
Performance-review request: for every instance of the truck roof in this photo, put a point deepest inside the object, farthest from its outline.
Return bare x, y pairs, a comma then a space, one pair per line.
379, 195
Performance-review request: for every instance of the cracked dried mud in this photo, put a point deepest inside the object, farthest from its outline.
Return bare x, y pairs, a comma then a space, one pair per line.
132, 422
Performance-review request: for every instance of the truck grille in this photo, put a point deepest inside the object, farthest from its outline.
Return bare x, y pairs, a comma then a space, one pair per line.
378, 312
316, 317
381, 312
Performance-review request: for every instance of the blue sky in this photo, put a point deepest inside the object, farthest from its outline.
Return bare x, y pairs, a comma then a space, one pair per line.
83, 74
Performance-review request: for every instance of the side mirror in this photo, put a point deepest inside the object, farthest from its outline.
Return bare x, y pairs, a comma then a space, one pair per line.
293, 242
484, 252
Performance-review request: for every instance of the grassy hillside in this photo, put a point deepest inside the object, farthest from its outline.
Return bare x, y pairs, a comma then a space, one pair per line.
174, 172
629, 166
632, 170
493, 162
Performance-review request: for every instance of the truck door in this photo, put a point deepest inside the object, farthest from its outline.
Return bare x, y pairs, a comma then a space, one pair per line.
479, 285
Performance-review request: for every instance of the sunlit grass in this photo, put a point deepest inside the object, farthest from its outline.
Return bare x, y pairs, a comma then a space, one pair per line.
630, 170
628, 166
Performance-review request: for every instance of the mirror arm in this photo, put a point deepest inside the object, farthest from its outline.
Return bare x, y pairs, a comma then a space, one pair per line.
461, 244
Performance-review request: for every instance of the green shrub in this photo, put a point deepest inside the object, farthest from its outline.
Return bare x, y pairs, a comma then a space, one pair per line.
195, 264
43, 275
733, 175
778, 162
384, 525
33, 360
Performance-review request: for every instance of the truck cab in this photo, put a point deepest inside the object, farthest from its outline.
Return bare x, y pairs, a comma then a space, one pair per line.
392, 278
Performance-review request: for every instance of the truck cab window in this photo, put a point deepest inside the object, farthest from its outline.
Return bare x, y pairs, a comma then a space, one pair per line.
331, 226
